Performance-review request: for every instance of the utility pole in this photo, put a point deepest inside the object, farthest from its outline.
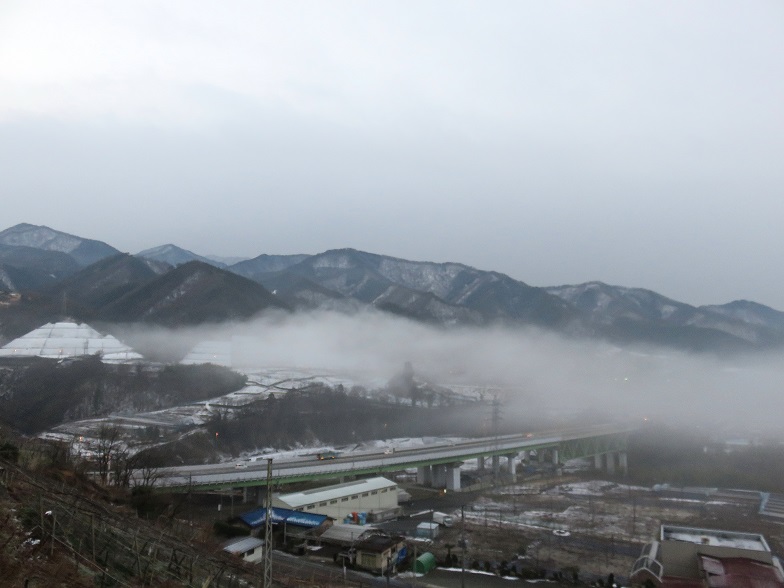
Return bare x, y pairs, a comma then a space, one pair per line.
462, 545
496, 420
268, 529
413, 575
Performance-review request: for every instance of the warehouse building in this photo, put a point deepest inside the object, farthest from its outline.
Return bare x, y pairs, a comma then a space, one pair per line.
358, 500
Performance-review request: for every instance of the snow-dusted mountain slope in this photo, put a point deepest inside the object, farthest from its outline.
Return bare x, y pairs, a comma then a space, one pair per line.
615, 306
472, 295
347, 280
84, 251
175, 256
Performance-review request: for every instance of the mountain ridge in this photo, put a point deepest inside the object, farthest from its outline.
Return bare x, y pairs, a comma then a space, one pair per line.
443, 293
175, 256
84, 251
192, 293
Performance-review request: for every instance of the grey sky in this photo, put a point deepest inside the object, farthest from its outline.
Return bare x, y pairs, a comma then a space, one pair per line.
637, 143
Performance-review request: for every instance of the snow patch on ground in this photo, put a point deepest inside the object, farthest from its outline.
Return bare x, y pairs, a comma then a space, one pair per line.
478, 573
595, 488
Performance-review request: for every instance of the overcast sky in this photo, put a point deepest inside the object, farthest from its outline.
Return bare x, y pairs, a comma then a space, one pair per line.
636, 143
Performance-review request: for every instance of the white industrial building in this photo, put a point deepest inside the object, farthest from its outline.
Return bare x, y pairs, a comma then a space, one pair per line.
69, 340
371, 495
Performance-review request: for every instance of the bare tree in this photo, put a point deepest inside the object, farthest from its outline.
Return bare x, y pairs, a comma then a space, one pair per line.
108, 446
122, 466
146, 474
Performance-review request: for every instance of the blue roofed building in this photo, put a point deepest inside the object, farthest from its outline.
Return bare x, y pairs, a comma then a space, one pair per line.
292, 522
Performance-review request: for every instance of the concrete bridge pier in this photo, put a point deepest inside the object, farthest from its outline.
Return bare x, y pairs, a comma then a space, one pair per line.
610, 462
439, 476
496, 465
480, 462
511, 466
453, 476
555, 456
425, 476
623, 462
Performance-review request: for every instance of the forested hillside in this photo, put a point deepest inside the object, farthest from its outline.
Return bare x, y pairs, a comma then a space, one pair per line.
38, 394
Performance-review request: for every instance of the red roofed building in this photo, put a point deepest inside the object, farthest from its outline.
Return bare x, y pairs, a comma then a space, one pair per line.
687, 557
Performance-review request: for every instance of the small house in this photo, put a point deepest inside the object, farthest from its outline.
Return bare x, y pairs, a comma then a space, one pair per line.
247, 548
379, 553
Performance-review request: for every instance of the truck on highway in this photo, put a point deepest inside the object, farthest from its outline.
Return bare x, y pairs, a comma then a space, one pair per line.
442, 519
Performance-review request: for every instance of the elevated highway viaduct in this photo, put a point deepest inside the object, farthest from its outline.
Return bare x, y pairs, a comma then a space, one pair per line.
437, 465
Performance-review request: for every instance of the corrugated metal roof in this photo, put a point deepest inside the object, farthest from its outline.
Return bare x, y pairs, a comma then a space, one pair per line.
257, 517
303, 519
300, 499
343, 533
243, 545
68, 339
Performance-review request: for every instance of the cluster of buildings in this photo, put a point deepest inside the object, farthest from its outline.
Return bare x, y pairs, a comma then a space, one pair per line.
332, 521
328, 521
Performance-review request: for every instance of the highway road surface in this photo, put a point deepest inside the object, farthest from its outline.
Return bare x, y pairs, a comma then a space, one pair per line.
253, 472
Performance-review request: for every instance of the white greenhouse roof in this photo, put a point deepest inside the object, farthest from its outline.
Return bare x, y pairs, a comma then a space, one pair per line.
298, 499
66, 339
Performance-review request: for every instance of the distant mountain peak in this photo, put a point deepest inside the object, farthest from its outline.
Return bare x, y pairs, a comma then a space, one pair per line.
161, 249
174, 255
39, 237
193, 293
84, 251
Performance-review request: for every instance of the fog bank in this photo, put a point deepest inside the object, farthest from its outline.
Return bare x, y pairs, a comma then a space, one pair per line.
530, 370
